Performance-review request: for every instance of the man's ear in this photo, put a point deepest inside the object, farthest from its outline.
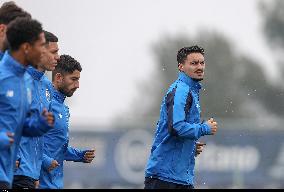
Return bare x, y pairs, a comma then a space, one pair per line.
180, 67
58, 77
2, 30
25, 47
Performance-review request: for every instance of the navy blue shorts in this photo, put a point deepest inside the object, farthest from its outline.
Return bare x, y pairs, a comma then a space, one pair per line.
154, 183
23, 182
4, 185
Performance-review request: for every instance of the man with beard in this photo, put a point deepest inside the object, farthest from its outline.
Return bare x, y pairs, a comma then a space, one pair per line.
172, 159
65, 80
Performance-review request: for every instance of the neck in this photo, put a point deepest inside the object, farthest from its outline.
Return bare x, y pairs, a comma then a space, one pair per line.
40, 69
2, 45
55, 85
197, 80
20, 57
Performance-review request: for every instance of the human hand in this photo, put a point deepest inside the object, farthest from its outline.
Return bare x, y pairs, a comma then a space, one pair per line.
53, 165
199, 148
213, 125
6, 139
17, 164
11, 137
49, 117
36, 184
89, 156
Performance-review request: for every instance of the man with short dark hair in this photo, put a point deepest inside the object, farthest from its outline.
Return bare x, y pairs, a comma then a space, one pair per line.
172, 159
30, 154
26, 46
65, 79
9, 11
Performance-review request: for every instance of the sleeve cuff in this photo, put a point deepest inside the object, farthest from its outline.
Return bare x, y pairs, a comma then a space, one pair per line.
44, 125
4, 140
206, 130
47, 162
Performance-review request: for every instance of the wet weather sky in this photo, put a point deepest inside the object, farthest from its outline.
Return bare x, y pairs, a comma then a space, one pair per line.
112, 40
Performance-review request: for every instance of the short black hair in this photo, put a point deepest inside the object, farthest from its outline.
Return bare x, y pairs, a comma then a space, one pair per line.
9, 11
50, 37
66, 64
23, 30
185, 51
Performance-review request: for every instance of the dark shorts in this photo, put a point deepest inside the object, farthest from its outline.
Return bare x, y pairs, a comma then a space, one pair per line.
4, 185
154, 183
23, 182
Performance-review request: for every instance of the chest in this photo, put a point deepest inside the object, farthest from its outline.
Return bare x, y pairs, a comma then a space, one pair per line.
40, 96
194, 111
62, 116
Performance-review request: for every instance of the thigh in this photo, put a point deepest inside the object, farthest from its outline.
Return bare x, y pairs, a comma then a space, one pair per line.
4, 185
154, 183
184, 186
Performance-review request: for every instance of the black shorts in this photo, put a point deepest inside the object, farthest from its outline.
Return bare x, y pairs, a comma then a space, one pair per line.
23, 182
4, 185
154, 183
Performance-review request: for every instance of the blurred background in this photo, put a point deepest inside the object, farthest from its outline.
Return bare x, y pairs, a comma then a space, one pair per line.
128, 48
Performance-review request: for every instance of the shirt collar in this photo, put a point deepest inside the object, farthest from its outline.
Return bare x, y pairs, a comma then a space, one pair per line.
189, 81
14, 65
58, 96
37, 75
1, 55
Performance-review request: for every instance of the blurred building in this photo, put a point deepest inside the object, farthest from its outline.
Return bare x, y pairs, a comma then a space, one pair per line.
240, 155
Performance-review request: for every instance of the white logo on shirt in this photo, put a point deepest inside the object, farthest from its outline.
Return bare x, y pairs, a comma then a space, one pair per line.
47, 94
29, 95
60, 115
10, 93
198, 106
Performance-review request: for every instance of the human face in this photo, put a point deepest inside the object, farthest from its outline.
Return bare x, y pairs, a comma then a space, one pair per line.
193, 66
35, 51
69, 83
50, 57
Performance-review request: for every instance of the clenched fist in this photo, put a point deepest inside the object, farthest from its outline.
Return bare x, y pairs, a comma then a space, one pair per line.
89, 156
49, 117
53, 165
213, 125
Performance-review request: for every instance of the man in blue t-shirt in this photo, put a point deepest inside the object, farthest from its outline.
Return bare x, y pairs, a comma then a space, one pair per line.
172, 158
26, 47
65, 79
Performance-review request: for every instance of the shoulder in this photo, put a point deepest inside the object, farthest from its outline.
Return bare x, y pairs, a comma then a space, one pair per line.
8, 82
27, 76
178, 88
47, 84
6, 74
46, 80
182, 88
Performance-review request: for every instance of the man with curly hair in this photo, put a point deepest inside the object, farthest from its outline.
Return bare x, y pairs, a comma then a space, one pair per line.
65, 80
